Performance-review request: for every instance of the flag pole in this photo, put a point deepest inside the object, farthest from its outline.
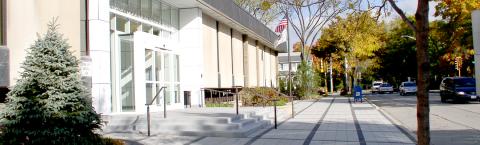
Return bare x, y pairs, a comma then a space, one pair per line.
289, 65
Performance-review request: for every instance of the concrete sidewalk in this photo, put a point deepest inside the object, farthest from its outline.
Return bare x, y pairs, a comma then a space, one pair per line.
329, 121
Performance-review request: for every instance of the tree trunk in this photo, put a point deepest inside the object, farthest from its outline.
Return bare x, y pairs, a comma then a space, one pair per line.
423, 73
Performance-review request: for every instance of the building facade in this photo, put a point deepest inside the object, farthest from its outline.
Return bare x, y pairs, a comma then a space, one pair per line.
129, 49
283, 63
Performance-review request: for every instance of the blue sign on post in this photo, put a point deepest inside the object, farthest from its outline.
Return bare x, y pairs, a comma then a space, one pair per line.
357, 94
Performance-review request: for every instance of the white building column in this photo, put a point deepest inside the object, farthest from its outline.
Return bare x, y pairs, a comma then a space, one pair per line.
191, 53
99, 52
476, 45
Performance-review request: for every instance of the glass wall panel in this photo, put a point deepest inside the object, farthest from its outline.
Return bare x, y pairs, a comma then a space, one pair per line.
121, 22
134, 26
146, 8
166, 20
168, 93
177, 93
176, 68
158, 66
156, 31
134, 7
159, 98
156, 11
150, 88
167, 69
126, 73
146, 28
174, 16
149, 58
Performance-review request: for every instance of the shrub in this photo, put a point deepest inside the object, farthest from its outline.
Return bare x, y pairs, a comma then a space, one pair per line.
251, 97
48, 104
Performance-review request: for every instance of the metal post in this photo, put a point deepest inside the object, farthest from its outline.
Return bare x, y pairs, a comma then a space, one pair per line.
236, 99
275, 112
165, 106
148, 119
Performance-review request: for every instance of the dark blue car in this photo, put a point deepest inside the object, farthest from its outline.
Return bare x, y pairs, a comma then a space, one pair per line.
458, 89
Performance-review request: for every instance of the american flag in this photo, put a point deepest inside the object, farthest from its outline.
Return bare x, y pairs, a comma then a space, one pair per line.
283, 24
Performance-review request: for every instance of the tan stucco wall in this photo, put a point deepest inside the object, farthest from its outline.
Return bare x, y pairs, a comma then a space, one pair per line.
268, 74
225, 55
27, 18
273, 68
260, 65
238, 58
210, 76
252, 63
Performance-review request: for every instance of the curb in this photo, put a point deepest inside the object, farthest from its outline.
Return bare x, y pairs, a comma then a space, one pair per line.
395, 122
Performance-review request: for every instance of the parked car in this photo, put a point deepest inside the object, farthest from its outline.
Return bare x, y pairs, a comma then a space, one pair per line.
458, 89
408, 88
376, 86
385, 88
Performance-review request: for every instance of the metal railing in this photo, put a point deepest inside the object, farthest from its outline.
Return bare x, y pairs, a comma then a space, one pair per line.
289, 97
151, 102
218, 98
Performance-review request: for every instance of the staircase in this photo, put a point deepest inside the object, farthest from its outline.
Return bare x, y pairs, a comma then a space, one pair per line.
193, 122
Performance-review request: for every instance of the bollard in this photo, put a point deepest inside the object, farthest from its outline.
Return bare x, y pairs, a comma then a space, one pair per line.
275, 112
148, 119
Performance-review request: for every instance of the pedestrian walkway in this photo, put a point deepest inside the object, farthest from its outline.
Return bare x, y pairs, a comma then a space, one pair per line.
329, 121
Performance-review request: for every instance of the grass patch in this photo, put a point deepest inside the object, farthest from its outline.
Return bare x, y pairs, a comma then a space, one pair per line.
111, 141
218, 105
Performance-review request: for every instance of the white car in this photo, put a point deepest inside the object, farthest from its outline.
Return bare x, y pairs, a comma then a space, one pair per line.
376, 86
385, 88
408, 88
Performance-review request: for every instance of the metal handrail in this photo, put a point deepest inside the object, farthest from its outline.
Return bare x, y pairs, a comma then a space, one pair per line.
151, 102
156, 95
274, 106
224, 92
290, 97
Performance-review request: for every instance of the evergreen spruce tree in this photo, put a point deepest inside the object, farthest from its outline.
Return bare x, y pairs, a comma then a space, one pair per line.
49, 105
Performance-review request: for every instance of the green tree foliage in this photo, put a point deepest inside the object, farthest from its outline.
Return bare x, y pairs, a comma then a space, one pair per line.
356, 38
49, 105
398, 56
454, 32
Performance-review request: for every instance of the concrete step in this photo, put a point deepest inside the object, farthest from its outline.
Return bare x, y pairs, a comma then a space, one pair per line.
224, 125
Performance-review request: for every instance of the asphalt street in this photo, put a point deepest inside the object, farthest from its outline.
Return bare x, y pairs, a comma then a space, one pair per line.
450, 123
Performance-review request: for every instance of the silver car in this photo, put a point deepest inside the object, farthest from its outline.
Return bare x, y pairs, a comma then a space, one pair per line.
376, 86
385, 88
408, 88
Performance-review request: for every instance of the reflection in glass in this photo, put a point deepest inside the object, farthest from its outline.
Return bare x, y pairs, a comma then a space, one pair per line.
176, 67
166, 14
167, 69
158, 66
177, 93
168, 93
126, 76
150, 92
149, 58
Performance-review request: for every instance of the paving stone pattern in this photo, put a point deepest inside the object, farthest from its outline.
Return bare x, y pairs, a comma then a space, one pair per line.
329, 121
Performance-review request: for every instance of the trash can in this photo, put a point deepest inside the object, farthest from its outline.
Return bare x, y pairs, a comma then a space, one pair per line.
187, 99
357, 95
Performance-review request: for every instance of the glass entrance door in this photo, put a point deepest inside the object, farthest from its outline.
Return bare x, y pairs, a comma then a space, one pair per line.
154, 75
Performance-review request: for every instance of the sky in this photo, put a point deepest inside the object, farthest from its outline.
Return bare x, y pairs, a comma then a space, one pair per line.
408, 6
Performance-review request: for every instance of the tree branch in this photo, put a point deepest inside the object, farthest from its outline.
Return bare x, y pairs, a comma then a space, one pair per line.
402, 15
